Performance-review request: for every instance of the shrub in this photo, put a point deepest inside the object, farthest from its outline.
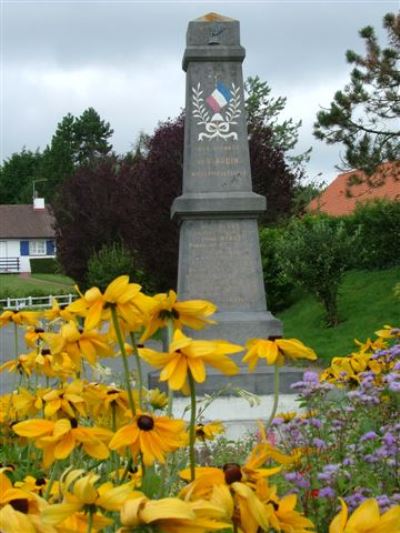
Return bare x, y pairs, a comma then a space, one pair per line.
278, 287
45, 265
110, 262
315, 252
379, 233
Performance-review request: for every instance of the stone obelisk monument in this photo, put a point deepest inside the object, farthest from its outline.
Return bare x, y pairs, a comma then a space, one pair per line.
219, 255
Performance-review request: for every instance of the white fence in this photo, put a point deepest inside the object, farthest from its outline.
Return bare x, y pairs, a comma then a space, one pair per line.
36, 302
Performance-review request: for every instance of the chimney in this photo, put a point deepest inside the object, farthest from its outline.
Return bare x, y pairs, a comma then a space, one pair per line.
38, 203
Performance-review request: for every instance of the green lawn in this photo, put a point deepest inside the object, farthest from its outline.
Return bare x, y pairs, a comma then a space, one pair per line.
366, 303
12, 285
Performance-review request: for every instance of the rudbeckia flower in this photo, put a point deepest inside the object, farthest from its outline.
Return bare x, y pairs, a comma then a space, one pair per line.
95, 306
276, 351
188, 354
58, 439
282, 514
151, 436
12, 521
23, 364
208, 431
68, 400
20, 318
165, 308
171, 515
78, 343
58, 311
157, 399
81, 493
366, 519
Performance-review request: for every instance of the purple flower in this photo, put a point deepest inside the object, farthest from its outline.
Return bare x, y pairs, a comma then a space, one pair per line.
327, 492
319, 443
370, 435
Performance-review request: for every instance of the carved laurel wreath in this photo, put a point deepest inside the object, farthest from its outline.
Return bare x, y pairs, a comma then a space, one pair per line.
200, 111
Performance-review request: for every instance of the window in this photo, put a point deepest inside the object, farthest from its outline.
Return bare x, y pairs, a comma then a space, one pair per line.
37, 247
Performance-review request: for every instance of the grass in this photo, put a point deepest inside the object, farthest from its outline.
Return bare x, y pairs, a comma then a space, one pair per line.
51, 278
366, 303
14, 286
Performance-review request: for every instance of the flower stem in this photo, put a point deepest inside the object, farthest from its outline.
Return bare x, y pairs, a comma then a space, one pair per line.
192, 427
16, 347
276, 397
167, 348
90, 521
124, 359
139, 369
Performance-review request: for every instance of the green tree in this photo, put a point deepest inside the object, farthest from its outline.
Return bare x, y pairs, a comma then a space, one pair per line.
91, 135
16, 177
264, 110
314, 253
365, 115
76, 142
59, 156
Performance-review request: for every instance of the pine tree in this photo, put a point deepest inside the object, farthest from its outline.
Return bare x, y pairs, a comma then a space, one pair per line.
365, 115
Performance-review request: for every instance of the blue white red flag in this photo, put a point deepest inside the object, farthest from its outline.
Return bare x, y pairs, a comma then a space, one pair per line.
219, 98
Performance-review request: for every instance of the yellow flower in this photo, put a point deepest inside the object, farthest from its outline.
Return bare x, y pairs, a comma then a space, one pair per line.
26, 403
20, 318
81, 493
165, 308
58, 439
282, 514
157, 399
58, 311
188, 354
78, 342
388, 332
209, 431
23, 364
249, 473
34, 335
21, 500
95, 306
12, 521
366, 519
151, 436
67, 400
171, 515
276, 351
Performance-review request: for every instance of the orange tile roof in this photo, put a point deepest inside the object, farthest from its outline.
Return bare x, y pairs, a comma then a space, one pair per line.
345, 192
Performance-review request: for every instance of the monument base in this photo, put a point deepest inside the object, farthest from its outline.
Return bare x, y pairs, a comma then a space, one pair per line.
240, 326
260, 382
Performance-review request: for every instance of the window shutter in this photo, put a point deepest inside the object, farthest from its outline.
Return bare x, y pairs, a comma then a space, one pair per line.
49, 247
24, 247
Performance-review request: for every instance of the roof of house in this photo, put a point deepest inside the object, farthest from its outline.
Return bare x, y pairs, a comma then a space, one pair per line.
349, 188
23, 221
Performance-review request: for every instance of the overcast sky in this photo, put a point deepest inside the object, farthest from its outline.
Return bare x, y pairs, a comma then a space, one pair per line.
124, 59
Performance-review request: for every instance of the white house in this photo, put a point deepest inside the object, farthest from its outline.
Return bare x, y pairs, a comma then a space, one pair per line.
26, 232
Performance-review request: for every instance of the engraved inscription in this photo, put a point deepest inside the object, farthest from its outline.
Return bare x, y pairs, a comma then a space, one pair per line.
218, 254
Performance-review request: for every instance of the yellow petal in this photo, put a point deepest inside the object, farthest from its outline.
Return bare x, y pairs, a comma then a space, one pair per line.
33, 428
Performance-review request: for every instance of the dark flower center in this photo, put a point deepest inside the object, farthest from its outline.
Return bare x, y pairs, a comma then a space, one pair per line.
232, 472
200, 431
20, 504
165, 314
274, 337
40, 481
39, 330
145, 422
113, 391
74, 423
274, 504
46, 351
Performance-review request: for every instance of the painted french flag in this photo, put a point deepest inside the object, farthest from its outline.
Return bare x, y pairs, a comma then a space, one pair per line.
219, 98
